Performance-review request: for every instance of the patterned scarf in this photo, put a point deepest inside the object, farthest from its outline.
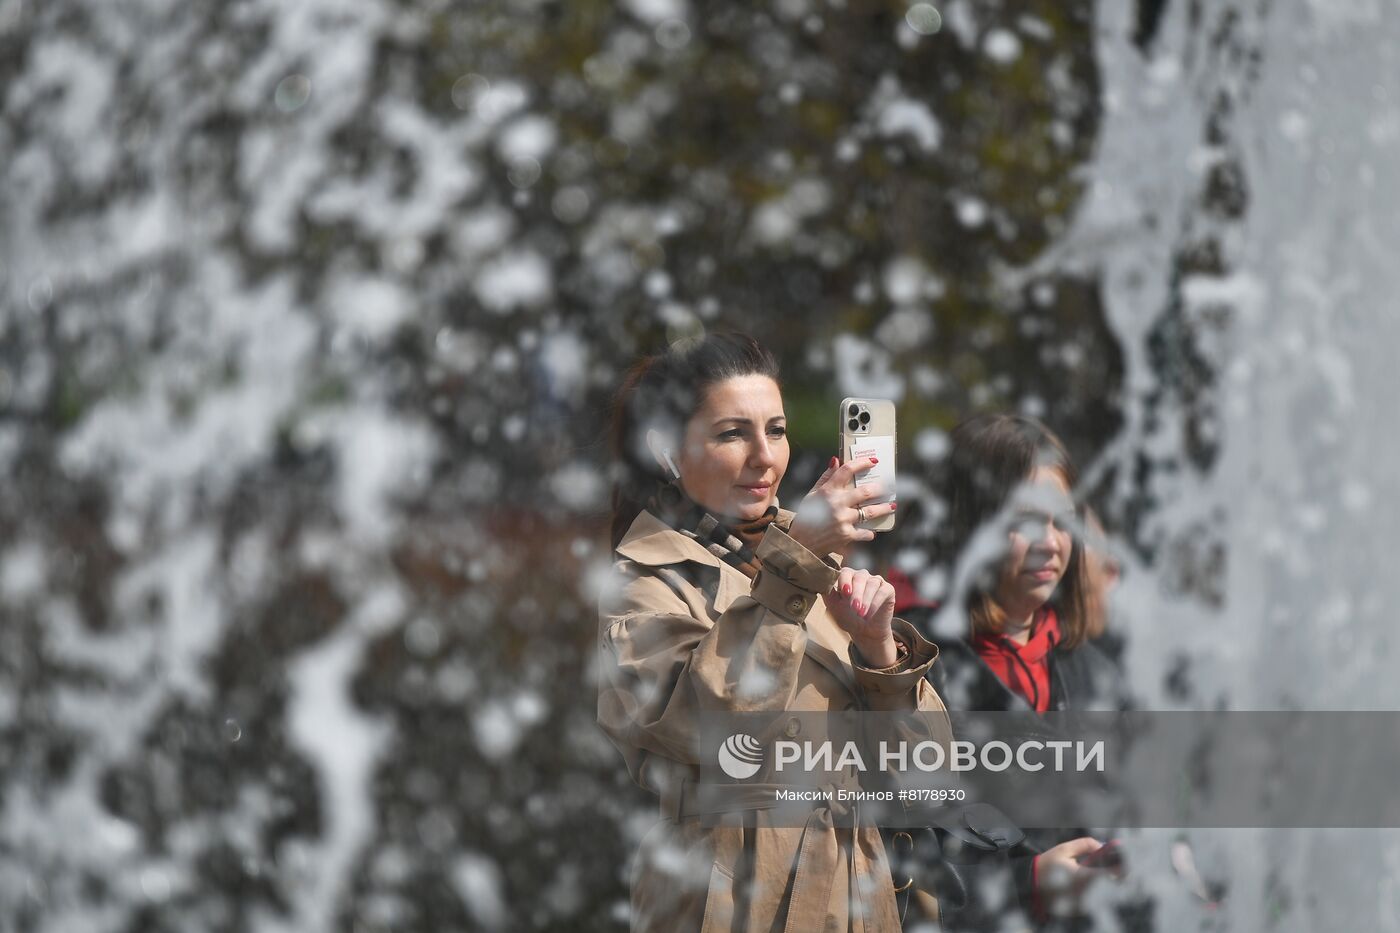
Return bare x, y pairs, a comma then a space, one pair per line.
730, 539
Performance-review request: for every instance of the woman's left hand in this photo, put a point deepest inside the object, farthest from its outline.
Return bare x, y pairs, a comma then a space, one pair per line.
863, 605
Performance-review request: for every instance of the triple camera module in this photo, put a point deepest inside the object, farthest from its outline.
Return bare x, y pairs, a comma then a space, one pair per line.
858, 418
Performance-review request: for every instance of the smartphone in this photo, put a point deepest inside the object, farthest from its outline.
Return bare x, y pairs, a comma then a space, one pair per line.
1109, 855
867, 430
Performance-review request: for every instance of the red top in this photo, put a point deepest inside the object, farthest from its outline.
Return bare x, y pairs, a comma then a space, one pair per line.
1025, 669
906, 593
1022, 668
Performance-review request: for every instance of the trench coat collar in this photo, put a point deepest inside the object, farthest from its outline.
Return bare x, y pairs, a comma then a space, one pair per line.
653, 543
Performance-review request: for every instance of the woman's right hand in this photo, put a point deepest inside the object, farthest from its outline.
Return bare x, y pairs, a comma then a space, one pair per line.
826, 520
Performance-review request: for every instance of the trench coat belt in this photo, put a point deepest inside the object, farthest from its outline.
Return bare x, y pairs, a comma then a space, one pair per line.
818, 851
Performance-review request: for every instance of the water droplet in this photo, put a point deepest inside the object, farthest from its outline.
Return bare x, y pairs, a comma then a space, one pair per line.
524, 172
436, 830
570, 204
924, 19
467, 89
971, 212
232, 730
292, 93
406, 254
681, 324
657, 284
1002, 46
422, 637
513, 428
155, 884
672, 34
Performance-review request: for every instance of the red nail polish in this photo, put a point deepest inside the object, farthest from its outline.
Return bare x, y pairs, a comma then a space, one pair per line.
846, 589
893, 506
873, 460
856, 606
832, 464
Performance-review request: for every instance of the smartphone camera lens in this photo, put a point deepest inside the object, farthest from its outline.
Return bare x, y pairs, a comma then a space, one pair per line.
865, 417
853, 424
853, 410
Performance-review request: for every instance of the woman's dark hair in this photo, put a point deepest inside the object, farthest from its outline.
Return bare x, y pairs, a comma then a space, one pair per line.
662, 392
991, 456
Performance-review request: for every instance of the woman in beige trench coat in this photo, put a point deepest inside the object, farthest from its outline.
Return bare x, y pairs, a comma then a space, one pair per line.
719, 601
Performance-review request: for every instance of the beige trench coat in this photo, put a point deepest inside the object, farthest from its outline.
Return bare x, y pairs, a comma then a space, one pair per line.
681, 632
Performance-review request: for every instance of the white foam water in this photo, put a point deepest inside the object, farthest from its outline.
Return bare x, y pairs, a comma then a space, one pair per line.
1290, 525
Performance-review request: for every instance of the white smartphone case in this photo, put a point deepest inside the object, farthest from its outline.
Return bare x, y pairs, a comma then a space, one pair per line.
867, 429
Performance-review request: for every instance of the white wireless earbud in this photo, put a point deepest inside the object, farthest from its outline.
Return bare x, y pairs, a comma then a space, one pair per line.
670, 464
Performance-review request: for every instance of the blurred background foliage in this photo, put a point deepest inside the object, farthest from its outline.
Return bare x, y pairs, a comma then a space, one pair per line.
313, 318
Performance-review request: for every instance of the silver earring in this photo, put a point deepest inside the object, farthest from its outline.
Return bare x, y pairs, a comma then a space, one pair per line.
670, 465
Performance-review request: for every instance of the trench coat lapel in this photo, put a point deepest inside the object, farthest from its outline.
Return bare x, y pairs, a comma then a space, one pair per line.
653, 543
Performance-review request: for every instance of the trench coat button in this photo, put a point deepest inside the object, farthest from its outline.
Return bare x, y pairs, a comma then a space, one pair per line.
797, 606
792, 728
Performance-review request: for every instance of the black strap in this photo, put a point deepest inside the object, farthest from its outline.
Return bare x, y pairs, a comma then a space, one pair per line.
979, 825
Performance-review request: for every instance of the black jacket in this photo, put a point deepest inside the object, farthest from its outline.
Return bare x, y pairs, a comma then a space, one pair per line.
1081, 678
